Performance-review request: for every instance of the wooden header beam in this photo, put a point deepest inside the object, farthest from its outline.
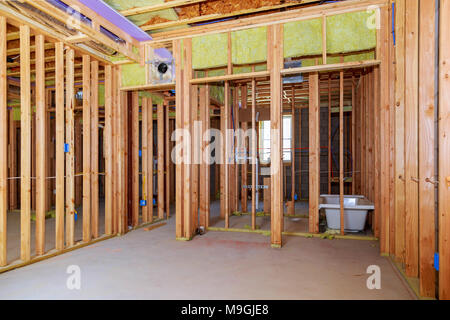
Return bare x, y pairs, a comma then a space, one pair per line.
265, 20
217, 16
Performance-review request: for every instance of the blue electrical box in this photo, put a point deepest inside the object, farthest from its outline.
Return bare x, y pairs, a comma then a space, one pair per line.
143, 203
436, 261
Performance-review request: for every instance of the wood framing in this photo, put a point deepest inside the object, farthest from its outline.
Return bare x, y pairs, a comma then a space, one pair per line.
60, 120
147, 167
314, 152
383, 42
275, 63
245, 153
160, 159
179, 230
411, 139
107, 140
167, 159
158, 7
204, 167
3, 143
25, 145
150, 159
135, 158
41, 146
444, 151
87, 231
306, 13
94, 135
70, 155
427, 154
400, 131
187, 152
341, 151
254, 153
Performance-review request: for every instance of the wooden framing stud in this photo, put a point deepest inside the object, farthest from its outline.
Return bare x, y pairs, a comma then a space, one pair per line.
135, 158
107, 140
41, 146
314, 152
3, 143
87, 235
94, 150
25, 123
444, 151
160, 161
275, 61
70, 141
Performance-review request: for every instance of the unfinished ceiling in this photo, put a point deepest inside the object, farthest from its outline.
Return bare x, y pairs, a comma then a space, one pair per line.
159, 15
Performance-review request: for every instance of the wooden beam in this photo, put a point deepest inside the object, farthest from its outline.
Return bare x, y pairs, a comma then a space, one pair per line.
235, 166
411, 139
94, 150
226, 155
59, 97
330, 160
427, 147
314, 153
306, 13
135, 157
204, 167
332, 67
150, 158
160, 150
400, 131
275, 64
293, 121
3, 143
230, 77
383, 34
341, 153
254, 153
147, 168
167, 159
115, 156
13, 193
41, 146
87, 235
107, 140
70, 156
179, 123
324, 40
158, 7
353, 136
214, 16
244, 171
25, 146
444, 151
187, 119
124, 158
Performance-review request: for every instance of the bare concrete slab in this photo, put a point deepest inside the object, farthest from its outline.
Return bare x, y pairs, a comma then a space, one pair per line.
218, 265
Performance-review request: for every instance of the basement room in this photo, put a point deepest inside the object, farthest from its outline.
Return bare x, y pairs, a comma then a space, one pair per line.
224, 150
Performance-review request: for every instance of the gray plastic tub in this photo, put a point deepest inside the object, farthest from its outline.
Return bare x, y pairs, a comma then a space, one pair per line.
356, 209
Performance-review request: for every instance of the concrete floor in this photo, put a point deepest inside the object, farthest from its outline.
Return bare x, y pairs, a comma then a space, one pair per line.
13, 236
218, 265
